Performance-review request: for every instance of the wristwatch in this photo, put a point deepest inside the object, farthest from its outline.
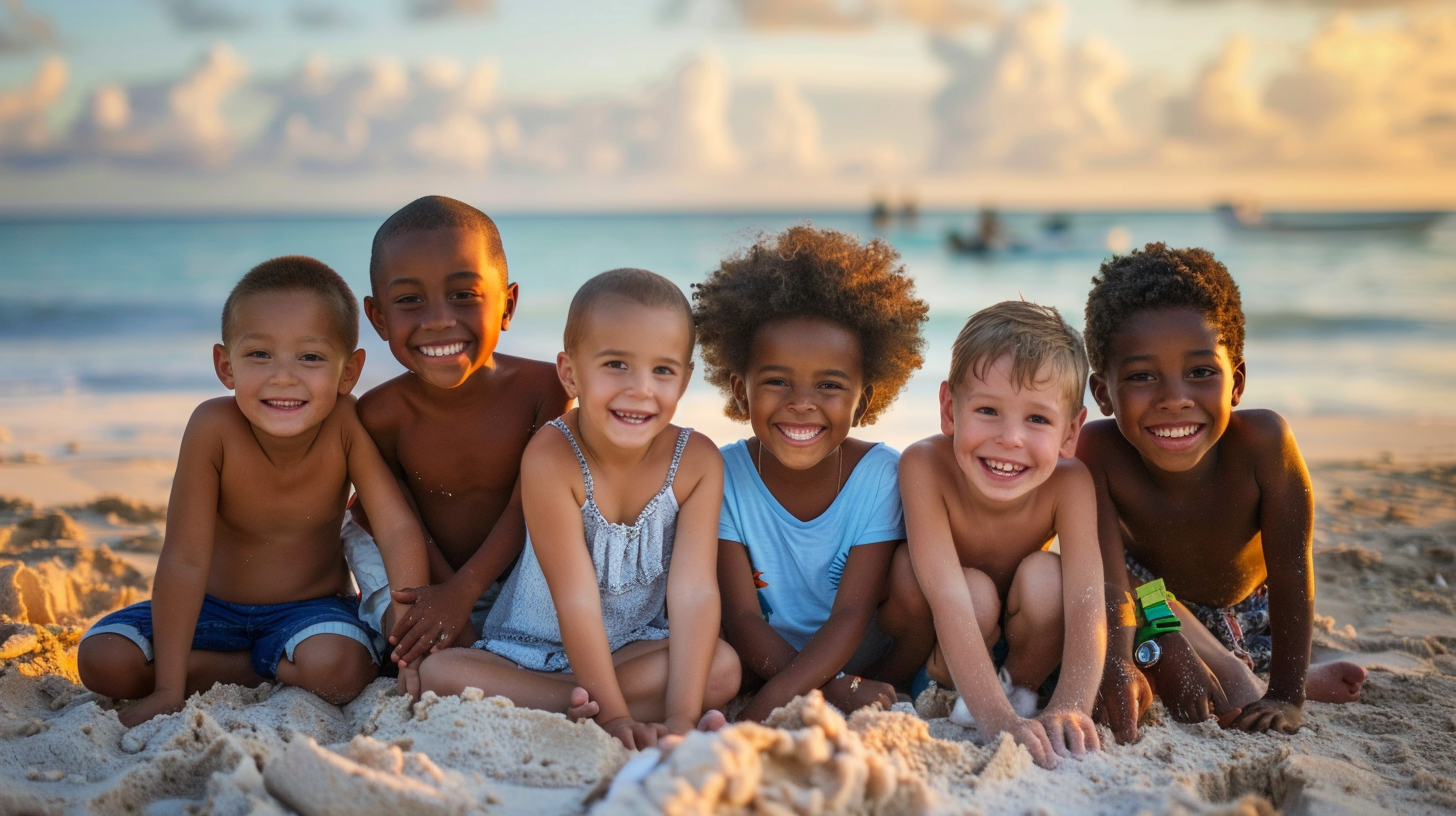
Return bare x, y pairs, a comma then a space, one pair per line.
1147, 653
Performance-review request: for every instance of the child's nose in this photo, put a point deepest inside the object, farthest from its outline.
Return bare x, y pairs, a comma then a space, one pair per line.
438, 315
1173, 397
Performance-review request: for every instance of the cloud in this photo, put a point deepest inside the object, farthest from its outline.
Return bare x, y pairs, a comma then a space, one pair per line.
1364, 96
1032, 101
437, 9
1333, 5
24, 111
24, 30
835, 15
165, 124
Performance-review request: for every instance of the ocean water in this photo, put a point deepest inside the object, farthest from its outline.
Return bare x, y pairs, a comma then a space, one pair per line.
1338, 324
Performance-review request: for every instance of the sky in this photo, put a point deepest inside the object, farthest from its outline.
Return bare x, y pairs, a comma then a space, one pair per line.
265, 105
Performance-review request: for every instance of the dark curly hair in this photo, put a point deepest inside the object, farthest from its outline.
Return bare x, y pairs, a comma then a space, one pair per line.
818, 273
1157, 277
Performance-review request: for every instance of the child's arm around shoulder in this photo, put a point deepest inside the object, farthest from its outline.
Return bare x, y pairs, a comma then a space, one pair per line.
693, 600
1286, 527
186, 560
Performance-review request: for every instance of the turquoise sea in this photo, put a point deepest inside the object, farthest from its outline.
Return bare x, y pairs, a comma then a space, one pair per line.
1346, 323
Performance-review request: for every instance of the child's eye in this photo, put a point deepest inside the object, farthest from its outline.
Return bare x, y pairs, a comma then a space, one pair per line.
776, 381
1139, 376
259, 354
468, 295
1201, 372
832, 384
986, 411
665, 371
312, 358
405, 300
1038, 419
617, 364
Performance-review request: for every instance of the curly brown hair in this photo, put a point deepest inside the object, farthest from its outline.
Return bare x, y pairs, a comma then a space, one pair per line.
1157, 277
819, 273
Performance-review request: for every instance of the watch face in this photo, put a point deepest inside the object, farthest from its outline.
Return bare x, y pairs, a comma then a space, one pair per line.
1147, 653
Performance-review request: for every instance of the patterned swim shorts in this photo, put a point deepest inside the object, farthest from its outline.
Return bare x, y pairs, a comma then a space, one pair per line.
1242, 628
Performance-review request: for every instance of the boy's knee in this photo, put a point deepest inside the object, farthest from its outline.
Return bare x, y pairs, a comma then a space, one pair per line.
987, 601
334, 667
905, 602
113, 666
1039, 573
725, 675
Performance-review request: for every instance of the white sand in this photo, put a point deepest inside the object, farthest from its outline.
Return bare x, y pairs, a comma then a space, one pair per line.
1385, 559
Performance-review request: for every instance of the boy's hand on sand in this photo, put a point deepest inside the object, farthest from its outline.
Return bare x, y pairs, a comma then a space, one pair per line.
1188, 689
1270, 715
1071, 732
1033, 736
152, 705
1123, 698
435, 616
851, 693
635, 735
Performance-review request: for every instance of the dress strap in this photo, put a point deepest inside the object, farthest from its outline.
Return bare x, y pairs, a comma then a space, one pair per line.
586, 477
682, 442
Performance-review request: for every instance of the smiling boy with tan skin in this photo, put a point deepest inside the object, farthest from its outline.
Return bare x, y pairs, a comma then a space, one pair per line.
1216, 502
453, 427
251, 584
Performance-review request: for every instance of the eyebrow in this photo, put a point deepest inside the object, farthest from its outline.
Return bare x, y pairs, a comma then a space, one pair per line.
464, 273
1138, 358
620, 353
827, 372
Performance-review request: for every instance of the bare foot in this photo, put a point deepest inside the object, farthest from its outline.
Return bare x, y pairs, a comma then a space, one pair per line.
712, 720
1337, 682
581, 707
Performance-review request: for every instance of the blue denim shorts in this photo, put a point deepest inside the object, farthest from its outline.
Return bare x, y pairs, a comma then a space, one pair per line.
268, 631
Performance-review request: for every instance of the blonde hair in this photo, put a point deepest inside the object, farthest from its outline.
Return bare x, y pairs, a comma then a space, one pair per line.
1033, 335
634, 285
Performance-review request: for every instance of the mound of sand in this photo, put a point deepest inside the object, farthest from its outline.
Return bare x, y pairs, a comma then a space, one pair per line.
1383, 559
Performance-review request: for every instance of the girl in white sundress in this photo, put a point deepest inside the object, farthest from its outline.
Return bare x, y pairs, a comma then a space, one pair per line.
622, 526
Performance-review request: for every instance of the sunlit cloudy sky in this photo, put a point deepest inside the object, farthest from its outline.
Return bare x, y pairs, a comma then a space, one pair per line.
259, 105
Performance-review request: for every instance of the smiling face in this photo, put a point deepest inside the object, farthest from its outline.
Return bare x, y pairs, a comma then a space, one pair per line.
1171, 386
803, 389
285, 361
628, 369
441, 303
1007, 435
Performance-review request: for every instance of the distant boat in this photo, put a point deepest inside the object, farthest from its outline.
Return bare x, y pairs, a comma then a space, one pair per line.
1250, 217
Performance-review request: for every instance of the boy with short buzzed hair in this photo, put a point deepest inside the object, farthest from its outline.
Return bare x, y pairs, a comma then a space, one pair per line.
452, 428
983, 500
1214, 502
251, 584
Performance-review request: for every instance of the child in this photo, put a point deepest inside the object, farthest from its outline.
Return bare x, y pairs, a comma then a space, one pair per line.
983, 499
454, 427
808, 334
1215, 502
251, 584
620, 510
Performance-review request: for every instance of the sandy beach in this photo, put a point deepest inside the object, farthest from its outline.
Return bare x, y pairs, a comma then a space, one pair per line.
1385, 555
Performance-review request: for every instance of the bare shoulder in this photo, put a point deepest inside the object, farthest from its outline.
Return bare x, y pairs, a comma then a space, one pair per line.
1258, 427
700, 455
218, 418
1071, 478
548, 452
928, 454
382, 406
1101, 437
536, 377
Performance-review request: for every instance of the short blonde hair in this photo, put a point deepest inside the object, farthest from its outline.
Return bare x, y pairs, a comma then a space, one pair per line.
1033, 335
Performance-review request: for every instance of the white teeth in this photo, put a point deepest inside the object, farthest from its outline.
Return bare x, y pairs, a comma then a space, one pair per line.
632, 419
1175, 433
284, 403
1004, 468
800, 436
442, 351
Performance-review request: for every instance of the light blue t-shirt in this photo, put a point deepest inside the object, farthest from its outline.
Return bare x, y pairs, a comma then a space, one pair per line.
798, 564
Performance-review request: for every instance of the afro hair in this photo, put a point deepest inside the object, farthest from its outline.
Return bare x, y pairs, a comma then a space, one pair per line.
817, 273
1157, 277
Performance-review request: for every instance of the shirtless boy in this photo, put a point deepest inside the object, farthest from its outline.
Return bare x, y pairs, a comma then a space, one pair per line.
251, 584
1215, 502
453, 427
983, 500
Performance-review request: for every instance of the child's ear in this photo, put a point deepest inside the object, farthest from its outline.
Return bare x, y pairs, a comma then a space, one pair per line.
1240, 374
865, 398
1069, 445
947, 409
353, 367
739, 389
567, 374
1100, 394
513, 296
376, 317
223, 366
